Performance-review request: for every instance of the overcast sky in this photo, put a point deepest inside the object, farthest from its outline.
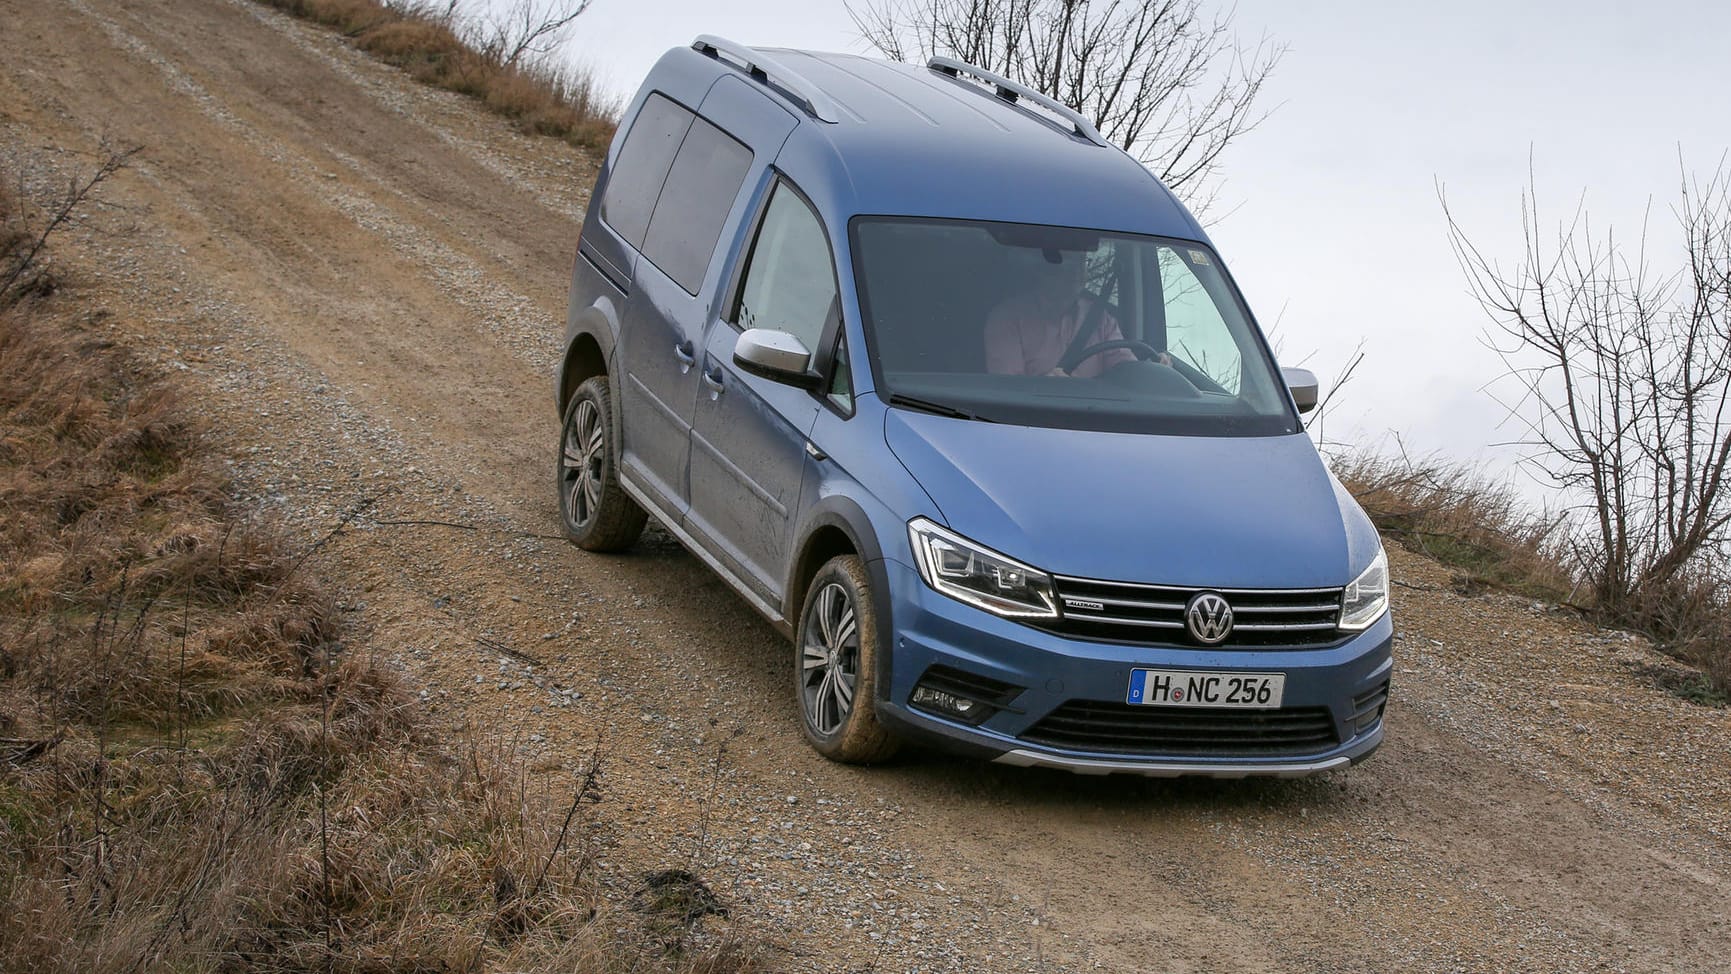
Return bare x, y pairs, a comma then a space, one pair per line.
1331, 221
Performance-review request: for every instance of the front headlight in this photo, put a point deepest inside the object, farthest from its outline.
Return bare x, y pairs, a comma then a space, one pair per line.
980, 576
1367, 597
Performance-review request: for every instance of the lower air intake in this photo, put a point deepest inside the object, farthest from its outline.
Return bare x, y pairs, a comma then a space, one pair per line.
1118, 728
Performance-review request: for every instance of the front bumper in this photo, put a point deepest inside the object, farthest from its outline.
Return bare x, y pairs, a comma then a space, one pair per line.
1051, 671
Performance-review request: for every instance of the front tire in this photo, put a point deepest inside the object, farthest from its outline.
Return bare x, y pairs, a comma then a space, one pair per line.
835, 665
595, 510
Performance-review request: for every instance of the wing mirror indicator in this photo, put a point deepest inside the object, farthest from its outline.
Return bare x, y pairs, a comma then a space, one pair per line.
775, 355
1304, 387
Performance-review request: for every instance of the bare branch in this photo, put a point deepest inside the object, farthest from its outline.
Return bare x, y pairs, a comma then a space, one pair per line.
1625, 375
24, 241
1164, 81
524, 31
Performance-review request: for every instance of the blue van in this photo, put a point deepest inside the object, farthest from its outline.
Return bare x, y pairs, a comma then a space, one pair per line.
962, 400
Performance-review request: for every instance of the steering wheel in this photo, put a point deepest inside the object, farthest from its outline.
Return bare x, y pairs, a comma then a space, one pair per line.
1143, 350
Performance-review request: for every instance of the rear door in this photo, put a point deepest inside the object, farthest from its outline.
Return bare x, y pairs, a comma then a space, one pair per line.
669, 303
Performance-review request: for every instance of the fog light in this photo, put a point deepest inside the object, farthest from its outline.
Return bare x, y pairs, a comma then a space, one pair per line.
950, 705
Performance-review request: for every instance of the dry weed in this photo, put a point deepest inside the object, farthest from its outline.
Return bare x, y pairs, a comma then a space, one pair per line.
428, 41
1484, 531
12, 225
1690, 617
1452, 514
195, 776
408, 42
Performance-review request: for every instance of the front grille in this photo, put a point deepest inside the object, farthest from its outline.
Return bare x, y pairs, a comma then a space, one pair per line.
1153, 615
1121, 728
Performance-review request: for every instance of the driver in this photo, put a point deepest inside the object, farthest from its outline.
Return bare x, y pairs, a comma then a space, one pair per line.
1029, 332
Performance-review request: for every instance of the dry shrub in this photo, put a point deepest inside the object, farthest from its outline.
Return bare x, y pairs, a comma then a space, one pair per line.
428, 42
118, 552
1482, 529
349, 16
194, 774
578, 109
26, 225
406, 42
13, 234
1452, 514
521, 96
1689, 616
218, 858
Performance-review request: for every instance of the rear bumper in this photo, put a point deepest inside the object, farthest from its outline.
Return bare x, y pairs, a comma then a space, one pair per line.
1050, 671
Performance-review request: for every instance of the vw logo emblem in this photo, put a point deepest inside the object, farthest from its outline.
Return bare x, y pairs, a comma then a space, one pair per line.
1208, 616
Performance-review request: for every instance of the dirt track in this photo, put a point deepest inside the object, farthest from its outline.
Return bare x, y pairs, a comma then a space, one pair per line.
367, 280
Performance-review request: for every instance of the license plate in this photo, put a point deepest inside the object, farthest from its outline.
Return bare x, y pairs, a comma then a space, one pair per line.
1192, 688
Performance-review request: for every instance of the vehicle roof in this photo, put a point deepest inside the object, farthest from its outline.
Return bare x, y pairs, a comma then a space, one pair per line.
909, 140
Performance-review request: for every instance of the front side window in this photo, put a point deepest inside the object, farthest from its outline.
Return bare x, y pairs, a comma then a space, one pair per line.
1060, 327
790, 282
1196, 331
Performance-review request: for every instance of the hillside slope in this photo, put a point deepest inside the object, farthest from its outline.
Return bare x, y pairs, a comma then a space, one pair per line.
366, 279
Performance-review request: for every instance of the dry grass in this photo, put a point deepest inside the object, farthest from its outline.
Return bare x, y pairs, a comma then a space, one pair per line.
1689, 617
1478, 527
1482, 530
425, 41
16, 242
196, 774
12, 233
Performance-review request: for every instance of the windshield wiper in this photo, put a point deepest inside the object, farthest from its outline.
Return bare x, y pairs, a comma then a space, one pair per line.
936, 408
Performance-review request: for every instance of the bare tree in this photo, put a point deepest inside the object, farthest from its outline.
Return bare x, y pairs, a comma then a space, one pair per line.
1625, 380
524, 29
1165, 80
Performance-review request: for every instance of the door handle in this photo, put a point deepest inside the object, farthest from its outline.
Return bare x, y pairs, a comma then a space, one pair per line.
686, 354
712, 379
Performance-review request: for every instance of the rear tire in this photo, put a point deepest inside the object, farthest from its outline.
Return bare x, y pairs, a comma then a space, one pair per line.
835, 666
595, 510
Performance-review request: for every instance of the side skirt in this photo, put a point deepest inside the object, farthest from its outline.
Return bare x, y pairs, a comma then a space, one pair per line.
684, 537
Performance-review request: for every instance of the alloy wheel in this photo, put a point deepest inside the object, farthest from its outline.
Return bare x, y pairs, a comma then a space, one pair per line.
584, 454
829, 659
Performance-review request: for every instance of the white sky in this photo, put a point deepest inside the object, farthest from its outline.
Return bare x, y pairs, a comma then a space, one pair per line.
1331, 222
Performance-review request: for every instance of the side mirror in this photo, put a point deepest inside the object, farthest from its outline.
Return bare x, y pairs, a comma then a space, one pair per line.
774, 355
1304, 388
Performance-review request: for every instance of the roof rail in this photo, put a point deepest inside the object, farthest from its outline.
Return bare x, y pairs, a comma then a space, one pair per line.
763, 69
1010, 91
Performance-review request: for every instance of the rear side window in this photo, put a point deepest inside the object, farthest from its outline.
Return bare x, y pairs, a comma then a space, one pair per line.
694, 203
642, 167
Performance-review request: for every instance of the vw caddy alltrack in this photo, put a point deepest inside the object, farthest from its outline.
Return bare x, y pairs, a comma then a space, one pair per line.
962, 400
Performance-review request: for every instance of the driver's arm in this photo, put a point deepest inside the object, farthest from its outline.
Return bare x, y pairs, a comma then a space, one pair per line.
1005, 352
1110, 332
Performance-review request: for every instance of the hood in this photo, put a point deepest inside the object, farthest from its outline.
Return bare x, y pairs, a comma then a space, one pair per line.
1224, 512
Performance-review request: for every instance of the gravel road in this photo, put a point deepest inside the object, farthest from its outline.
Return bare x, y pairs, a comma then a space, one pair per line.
364, 281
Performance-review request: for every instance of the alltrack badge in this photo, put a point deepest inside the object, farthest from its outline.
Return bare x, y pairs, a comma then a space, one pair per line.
1208, 616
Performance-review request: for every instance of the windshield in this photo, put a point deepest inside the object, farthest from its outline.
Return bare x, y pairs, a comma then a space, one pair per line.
1052, 326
